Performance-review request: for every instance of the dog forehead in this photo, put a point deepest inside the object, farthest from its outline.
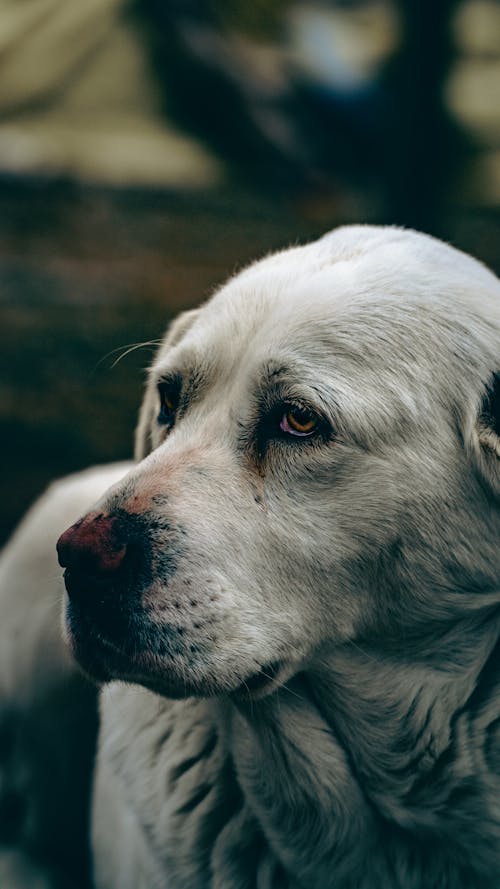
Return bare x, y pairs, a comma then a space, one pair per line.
368, 298
351, 267
403, 281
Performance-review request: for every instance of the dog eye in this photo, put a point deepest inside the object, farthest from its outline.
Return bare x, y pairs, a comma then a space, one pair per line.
299, 422
169, 401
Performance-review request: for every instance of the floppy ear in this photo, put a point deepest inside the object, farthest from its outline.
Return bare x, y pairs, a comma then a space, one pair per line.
487, 435
149, 407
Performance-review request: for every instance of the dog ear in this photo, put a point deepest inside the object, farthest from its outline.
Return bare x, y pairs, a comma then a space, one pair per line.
149, 407
487, 435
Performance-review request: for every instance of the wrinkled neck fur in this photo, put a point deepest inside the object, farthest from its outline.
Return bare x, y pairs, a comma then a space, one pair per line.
298, 783
376, 751
400, 715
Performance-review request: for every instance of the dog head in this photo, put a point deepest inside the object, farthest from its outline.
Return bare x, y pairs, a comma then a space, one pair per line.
318, 457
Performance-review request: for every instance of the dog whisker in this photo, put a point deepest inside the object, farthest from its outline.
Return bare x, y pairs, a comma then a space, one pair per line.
126, 350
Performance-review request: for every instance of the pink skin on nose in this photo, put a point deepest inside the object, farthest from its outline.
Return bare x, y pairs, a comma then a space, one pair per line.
92, 545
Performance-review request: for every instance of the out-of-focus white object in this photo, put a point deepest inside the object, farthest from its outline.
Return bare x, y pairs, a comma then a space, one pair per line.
476, 27
77, 98
473, 87
472, 94
342, 48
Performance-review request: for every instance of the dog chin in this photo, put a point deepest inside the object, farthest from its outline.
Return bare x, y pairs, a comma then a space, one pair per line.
104, 660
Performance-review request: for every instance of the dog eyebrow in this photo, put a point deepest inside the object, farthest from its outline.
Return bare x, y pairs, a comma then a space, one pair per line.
284, 382
272, 372
188, 381
191, 364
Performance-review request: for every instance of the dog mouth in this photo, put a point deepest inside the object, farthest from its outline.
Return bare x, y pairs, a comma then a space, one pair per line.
107, 650
99, 656
103, 660
104, 657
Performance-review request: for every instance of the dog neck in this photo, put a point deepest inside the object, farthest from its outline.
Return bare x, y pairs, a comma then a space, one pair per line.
370, 751
297, 780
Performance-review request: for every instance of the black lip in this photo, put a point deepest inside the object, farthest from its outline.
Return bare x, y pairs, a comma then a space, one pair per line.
101, 614
98, 656
104, 658
106, 655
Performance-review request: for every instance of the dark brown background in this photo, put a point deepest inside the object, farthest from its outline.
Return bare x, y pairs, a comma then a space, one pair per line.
84, 273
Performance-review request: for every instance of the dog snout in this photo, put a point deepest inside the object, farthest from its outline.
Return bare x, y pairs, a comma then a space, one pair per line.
94, 548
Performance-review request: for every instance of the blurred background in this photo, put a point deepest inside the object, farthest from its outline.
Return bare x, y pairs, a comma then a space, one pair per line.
148, 149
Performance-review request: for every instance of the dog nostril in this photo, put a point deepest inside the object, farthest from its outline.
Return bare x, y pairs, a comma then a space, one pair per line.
92, 546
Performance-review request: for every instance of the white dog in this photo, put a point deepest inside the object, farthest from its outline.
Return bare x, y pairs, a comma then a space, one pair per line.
293, 598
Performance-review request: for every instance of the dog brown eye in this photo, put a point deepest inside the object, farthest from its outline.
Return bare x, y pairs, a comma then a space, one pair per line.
298, 422
168, 407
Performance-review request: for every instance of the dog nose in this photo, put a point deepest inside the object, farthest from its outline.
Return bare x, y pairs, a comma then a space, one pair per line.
93, 547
